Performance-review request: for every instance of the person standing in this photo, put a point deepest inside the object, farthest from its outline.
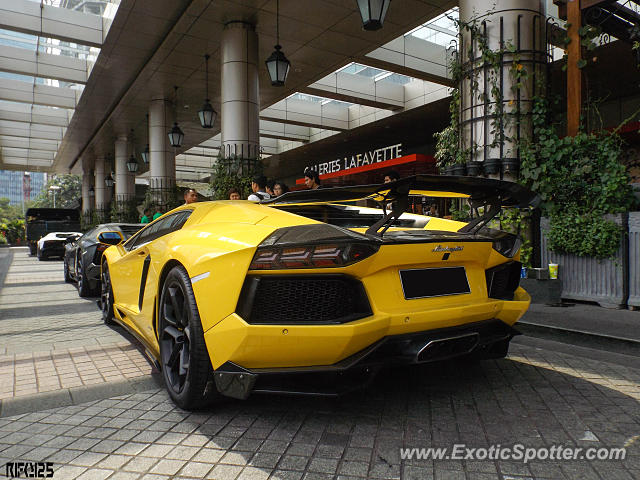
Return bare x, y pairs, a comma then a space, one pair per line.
391, 176
234, 194
258, 187
190, 196
311, 179
146, 218
279, 188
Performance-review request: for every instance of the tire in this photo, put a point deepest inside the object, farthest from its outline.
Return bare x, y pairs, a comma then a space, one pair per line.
67, 277
495, 351
84, 290
106, 296
186, 368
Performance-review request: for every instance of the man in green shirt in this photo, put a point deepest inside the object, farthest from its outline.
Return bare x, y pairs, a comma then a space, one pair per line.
146, 218
158, 213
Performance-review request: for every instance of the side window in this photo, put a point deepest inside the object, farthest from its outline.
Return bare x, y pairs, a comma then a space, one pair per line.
162, 227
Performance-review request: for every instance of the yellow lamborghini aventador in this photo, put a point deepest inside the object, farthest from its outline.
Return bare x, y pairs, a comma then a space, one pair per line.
308, 293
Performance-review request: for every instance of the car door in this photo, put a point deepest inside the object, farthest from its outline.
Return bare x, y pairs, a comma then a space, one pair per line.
133, 266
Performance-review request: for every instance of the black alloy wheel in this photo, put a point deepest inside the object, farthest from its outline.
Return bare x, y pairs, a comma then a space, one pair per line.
186, 367
106, 296
83, 284
67, 276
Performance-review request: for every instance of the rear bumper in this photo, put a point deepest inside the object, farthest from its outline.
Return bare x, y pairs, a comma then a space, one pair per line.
55, 250
360, 368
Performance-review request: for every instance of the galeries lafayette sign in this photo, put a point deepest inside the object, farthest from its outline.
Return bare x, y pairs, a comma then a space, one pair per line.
359, 159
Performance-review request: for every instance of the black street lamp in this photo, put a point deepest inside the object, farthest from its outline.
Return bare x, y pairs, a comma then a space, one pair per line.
176, 136
108, 181
145, 155
277, 64
373, 13
132, 165
207, 114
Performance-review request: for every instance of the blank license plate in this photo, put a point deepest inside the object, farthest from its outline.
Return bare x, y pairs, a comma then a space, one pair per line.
434, 282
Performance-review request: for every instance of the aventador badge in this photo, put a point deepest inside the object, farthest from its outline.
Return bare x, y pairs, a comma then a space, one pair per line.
440, 248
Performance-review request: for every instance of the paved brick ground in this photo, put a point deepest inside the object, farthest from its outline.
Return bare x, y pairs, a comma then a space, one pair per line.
51, 339
535, 398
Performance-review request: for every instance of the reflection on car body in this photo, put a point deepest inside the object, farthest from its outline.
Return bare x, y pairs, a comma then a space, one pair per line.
303, 294
83, 254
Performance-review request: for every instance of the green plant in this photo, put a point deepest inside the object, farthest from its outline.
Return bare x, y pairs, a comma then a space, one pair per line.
124, 211
579, 179
67, 196
13, 231
460, 210
235, 173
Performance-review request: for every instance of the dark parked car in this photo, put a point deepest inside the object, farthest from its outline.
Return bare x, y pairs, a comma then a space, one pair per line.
82, 256
41, 221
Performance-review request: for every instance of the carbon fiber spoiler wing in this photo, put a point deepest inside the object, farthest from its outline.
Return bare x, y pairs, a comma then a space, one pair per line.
489, 193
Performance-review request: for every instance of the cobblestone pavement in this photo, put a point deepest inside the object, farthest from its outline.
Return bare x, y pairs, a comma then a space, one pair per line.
536, 398
51, 339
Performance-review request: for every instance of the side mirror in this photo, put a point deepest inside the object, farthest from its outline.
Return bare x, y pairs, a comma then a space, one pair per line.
110, 238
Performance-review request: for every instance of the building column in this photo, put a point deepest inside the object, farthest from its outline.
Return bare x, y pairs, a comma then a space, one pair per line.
124, 190
495, 102
87, 182
100, 188
162, 161
240, 109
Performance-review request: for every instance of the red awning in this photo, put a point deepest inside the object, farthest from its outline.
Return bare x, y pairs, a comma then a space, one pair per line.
406, 166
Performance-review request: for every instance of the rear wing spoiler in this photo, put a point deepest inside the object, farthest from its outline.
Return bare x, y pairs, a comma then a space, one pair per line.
481, 192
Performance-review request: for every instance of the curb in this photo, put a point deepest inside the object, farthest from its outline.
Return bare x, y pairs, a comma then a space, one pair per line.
5, 263
77, 395
581, 338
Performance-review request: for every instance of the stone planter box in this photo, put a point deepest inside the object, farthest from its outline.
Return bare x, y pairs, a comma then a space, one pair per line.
588, 279
634, 259
543, 291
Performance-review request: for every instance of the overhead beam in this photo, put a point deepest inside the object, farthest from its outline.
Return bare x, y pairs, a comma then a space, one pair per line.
22, 142
43, 65
33, 93
343, 97
282, 136
27, 130
408, 71
298, 123
35, 114
33, 18
27, 153
27, 163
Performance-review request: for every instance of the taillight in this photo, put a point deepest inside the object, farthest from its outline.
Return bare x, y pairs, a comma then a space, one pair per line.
310, 256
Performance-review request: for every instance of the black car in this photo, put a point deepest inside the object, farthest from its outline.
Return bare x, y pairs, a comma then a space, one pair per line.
82, 256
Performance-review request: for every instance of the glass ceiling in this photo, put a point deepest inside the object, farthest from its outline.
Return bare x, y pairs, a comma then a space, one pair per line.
375, 73
102, 8
316, 99
441, 30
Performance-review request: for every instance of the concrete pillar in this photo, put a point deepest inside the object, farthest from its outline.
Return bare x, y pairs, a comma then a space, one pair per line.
240, 108
496, 99
162, 161
100, 198
99, 183
124, 179
87, 183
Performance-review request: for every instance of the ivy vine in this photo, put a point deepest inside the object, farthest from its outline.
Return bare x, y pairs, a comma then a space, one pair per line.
580, 179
